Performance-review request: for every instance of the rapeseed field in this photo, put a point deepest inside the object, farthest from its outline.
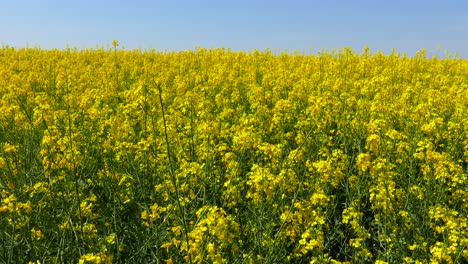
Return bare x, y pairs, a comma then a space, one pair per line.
214, 156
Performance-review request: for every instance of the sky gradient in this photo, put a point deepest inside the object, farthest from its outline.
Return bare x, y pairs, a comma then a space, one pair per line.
305, 26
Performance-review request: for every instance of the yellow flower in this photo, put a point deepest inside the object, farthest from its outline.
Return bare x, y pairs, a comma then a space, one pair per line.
115, 43
412, 247
363, 161
36, 234
144, 215
9, 148
89, 230
373, 142
110, 239
380, 262
64, 225
166, 245
90, 258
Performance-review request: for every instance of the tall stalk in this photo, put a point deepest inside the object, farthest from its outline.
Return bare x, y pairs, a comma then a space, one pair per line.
75, 174
172, 173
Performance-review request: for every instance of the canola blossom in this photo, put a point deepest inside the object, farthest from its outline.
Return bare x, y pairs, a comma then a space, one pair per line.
214, 156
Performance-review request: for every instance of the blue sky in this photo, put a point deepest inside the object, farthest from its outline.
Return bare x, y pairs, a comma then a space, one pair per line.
290, 25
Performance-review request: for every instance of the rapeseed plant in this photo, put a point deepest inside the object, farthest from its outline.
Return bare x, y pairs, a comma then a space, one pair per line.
215, 156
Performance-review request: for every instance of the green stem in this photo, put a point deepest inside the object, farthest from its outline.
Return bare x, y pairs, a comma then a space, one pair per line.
172, 173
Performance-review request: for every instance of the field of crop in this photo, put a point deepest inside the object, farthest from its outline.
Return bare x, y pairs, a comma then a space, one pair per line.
213, 156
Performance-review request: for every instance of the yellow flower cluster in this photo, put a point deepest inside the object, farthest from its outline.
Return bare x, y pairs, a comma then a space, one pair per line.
214, 156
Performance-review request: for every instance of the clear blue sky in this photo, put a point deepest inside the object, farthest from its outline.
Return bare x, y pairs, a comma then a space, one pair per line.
290, 25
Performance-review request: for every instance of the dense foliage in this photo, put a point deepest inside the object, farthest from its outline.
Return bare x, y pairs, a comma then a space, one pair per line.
214, 156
